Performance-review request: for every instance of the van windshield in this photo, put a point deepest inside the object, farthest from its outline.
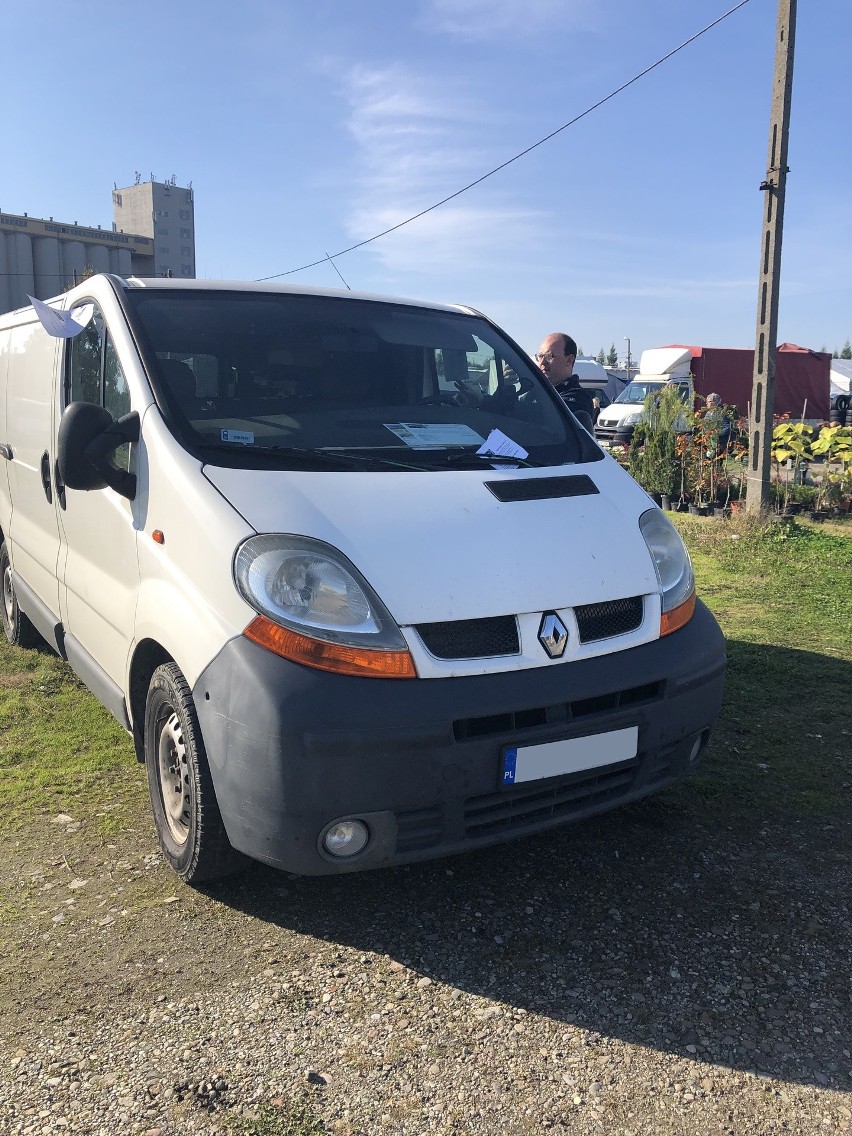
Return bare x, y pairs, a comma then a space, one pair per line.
292, 380
638, 391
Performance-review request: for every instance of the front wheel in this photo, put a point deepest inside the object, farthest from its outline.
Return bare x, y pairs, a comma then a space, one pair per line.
186, 813
16, 625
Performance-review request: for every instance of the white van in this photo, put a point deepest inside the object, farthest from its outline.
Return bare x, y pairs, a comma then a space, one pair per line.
658, 367
359, 600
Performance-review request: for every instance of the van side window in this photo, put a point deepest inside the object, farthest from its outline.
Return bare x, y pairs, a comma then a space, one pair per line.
94, 374
83, 382
116, 394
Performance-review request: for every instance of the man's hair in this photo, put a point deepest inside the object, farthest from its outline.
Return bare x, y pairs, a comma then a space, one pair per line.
568, 343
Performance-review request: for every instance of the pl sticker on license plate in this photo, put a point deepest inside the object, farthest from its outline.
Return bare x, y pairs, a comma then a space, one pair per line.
571, 755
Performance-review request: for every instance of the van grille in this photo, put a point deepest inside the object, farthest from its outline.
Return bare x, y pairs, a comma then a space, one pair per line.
605, 620
471, 638
497, 812
512, 721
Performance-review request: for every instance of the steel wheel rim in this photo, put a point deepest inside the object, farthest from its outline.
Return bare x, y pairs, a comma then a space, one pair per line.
174, 778
8, 595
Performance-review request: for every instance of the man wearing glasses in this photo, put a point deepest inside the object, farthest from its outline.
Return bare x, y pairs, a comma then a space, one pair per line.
556, 358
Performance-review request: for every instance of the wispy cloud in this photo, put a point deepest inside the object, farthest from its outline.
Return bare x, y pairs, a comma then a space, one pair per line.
452, 237
488, 20
414, 147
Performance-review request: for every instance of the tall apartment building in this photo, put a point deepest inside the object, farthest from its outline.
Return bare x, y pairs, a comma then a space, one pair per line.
164, 212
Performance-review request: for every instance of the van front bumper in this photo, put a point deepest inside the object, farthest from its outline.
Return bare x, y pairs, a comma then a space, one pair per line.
420, 761
614, 435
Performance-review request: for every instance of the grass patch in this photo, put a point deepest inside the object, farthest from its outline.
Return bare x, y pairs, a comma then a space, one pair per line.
293, 1118
783, 596
60, 751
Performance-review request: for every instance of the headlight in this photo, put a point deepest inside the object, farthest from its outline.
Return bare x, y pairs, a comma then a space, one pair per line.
631, 419
311, 588
673, 568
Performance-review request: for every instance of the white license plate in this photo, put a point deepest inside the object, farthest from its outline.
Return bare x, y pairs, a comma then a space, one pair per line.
571, 755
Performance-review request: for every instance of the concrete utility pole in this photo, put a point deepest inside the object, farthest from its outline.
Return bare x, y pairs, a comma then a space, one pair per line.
763, 382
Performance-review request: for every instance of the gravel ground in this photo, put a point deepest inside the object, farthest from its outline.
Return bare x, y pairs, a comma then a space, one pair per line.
636, 974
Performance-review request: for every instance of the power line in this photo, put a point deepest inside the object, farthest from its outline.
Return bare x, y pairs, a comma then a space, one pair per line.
523, 153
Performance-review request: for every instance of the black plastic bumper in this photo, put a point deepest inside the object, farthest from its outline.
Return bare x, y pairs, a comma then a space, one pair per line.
420, 761
614, 437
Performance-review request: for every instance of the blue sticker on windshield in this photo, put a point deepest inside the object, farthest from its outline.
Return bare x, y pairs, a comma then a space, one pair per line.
244, 437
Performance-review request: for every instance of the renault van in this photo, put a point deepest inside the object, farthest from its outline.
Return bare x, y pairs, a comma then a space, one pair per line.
354, 579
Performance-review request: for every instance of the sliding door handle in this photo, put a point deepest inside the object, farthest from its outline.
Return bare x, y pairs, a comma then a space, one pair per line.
45, 477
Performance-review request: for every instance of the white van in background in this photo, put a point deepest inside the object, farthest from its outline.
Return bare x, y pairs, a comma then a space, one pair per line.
658, 367
596, 378
358, 601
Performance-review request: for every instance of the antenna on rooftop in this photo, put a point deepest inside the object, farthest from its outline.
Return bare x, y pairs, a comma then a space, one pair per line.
336, 269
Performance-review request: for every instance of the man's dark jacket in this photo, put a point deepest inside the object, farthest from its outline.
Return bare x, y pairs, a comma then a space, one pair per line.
576, 397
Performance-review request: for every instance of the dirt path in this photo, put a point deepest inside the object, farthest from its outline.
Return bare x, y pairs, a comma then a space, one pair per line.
636, 974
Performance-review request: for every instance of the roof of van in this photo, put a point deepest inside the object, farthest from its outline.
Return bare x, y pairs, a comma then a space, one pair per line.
171, 284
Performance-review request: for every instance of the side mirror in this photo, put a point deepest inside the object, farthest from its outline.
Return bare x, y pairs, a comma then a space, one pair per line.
88, 437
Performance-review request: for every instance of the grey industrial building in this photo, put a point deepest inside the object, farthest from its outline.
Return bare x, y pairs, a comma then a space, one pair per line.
153, 234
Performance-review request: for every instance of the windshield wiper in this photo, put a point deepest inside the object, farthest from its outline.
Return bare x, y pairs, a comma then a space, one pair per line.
308, 455
462, 457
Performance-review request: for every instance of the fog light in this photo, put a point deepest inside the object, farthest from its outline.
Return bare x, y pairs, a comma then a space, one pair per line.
345, 838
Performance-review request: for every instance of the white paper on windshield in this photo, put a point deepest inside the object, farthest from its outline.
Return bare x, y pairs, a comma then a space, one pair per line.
502, 446
423, 435
60, 325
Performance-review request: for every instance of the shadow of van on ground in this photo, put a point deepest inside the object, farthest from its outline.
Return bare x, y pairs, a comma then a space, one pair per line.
712, 921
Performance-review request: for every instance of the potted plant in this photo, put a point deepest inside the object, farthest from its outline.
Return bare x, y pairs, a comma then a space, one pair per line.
653, 456
834, 446
791, 444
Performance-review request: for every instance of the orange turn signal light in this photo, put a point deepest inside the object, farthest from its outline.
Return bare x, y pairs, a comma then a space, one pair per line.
329, 656
679, 616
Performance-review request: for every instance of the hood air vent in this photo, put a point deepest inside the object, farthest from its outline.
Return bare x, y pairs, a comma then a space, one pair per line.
542, 488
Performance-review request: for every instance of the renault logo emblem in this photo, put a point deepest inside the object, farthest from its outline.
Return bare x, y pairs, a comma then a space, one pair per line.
553, 634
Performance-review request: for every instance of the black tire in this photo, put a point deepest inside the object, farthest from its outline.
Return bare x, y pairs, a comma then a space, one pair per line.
842, 402
186, 813
16, 626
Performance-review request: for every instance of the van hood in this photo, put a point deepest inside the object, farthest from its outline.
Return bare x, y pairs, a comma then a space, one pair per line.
440, 546
617, 411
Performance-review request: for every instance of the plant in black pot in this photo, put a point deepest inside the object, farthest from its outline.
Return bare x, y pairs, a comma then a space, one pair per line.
653, 458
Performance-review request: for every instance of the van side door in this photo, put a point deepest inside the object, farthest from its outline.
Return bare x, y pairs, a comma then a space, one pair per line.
33, 528
99, 565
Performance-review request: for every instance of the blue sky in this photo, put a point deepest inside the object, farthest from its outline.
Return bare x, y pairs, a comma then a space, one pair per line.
307, 125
